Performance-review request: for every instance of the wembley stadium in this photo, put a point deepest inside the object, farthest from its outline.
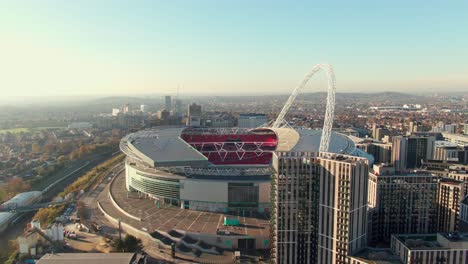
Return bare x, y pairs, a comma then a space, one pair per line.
216, 170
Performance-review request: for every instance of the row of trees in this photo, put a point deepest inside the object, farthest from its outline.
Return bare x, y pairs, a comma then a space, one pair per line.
48, 215
91, 177
12, 187
17, 185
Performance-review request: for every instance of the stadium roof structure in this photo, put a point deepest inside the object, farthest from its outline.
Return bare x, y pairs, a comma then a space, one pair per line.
308, 140
162, 148
196, 147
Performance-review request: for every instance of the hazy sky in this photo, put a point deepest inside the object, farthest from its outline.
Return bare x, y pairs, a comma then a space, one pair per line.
225, 47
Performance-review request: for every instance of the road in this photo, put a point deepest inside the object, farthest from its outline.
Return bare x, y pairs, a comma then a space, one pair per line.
95, 215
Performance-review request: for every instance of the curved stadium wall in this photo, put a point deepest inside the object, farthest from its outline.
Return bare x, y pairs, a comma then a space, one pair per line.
246, 194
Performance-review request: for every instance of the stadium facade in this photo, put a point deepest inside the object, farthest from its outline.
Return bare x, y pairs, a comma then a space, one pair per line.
217, 170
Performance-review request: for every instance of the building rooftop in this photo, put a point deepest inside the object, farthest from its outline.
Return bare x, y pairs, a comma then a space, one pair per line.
449, 181
377, 256
21, 198
88, 258
308, 140
252, 115
434, 241
163, 147
5, 218
445, 144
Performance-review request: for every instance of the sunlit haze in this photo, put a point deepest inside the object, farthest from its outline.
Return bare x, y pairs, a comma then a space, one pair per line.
63, 48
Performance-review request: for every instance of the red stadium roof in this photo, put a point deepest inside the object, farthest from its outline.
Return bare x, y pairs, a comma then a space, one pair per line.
233, 146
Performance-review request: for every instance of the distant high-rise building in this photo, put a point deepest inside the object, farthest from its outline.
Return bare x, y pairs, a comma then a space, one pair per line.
445, 151
447, 128
252, 120
168, 101
194, 115
414, 126
450, 128
143, 108
178, 105
379, 132
374, 130
126, 109
409, 152
164, 114
115, 111
399, 152
320, 211
382, 152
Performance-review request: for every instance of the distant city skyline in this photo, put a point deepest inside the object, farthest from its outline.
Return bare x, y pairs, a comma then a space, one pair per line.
69, 48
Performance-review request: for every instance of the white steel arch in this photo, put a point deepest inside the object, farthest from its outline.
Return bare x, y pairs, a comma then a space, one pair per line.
330, 111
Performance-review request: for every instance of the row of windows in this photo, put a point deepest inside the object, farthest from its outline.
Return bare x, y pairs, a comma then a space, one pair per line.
158, 188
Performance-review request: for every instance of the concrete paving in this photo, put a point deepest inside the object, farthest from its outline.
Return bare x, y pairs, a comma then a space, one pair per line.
166, 219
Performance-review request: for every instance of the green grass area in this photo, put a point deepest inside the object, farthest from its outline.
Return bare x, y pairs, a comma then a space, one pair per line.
14, 130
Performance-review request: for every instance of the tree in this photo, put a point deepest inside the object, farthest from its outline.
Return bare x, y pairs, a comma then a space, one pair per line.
49, 148
2, 194
35, 148
128, 244
132, 243
65, 147
61, 160
16, 185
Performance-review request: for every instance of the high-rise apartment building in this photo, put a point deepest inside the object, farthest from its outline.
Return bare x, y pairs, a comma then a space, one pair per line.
379, 132
447, 128
382, 152
168, 103
194, 115
399, 152
401, 204
126, 109
178, 107
342, 228
463, 223
444, 150
450, 128
450, 195
295, 195
409, 152
414, 126
320, 207
415, 202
